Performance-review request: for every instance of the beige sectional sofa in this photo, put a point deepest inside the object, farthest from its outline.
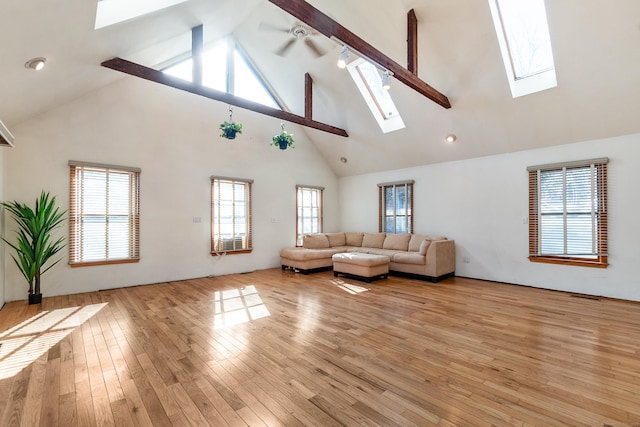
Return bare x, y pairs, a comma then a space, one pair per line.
418, 255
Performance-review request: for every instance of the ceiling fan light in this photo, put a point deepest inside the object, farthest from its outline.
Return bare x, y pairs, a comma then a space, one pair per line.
36, 63
344, 55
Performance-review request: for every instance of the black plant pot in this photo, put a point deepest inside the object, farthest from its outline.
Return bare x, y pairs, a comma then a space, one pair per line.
230, 134
283, 145
35, 298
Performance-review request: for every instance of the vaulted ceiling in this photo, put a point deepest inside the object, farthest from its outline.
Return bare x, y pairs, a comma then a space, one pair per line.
596, 51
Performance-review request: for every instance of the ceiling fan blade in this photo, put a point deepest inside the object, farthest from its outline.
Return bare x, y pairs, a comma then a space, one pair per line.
285, 47
264, 26
314, 48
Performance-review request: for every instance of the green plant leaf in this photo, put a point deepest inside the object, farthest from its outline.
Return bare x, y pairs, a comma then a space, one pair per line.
34, 246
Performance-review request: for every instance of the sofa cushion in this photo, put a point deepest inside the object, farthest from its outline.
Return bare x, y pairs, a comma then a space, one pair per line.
416, 240
315, 241
409, 258
424, 246
336, 239
373, 240
302, 254
398, 242
353, 239
377, 251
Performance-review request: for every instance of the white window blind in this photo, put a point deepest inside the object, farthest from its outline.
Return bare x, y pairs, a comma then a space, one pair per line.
104, 214
568, 211
308, 211
396, 207
230, 215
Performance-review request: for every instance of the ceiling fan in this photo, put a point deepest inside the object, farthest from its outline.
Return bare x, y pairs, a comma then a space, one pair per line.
297, 34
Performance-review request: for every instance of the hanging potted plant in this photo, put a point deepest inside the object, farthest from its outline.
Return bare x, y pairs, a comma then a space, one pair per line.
283, 140
229, 129
35, 246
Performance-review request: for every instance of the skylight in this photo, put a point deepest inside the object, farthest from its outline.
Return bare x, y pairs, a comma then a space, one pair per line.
369, 81
523, 36
227, 69
111, 12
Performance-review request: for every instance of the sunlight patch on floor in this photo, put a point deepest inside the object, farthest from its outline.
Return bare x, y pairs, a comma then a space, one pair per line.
348, 287
24, 343
236, 306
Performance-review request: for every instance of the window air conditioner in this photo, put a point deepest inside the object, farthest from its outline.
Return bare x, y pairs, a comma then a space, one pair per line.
5, 136
228, 244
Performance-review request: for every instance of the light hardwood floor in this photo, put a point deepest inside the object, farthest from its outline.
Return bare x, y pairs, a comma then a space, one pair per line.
278, 348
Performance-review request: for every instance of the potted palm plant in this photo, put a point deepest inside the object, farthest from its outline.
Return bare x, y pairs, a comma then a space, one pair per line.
35, 245
283, 140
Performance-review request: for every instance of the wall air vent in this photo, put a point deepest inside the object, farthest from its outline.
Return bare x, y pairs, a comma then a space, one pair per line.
6, 139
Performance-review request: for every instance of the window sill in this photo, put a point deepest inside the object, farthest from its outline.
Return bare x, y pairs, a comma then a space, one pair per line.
244, 251
92, 263
600, 262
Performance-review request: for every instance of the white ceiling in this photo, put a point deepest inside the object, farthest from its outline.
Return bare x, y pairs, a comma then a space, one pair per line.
596, 50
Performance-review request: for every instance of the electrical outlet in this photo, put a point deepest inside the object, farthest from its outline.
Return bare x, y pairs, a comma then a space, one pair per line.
466, 259
197, 220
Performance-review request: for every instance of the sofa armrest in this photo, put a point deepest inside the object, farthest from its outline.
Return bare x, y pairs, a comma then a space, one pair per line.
441, 257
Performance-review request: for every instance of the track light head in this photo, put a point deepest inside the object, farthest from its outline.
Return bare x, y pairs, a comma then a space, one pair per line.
385, 80
344, 55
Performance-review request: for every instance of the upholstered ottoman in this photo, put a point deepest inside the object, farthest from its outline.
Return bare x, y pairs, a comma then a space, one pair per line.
362, 266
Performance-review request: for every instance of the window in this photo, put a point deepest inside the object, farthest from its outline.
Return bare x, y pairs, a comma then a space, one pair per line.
111, 12
227, 69
369, 82
104, 214
568, 213
308, 211
396, 207
230, 215
525, 44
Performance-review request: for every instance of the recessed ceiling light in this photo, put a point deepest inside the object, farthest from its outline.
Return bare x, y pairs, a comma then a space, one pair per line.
343, 159
451, 138
36, 63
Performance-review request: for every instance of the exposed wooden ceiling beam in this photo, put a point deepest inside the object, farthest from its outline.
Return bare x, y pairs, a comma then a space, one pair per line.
156, 76
412, 42
308, 96
317, 20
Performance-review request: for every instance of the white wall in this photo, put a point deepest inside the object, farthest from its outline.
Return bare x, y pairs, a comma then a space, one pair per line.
482, 203
173, 137
3, 173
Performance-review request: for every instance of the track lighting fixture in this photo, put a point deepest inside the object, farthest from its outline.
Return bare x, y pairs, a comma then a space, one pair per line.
385, 80
344, 55
35, 63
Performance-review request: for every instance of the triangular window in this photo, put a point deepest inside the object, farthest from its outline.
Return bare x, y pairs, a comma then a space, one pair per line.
525, 43
227, 69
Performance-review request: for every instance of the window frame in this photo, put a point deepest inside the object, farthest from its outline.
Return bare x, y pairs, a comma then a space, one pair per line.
319, 192
370, 95
247, 245
528, 83
76, 233
409, 185
599, 221
232, 49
